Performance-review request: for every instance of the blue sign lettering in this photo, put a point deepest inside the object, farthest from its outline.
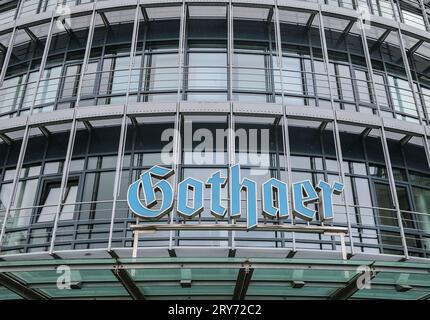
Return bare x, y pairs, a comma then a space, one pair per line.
190, 197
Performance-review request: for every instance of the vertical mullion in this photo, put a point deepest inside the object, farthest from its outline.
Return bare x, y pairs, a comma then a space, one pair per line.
369, 64
384, 143
424, 15
409, 74
393, 188
43, 62
397, 12
123, 134
15, 180
338, 147
285, 132
72, 133
26, 135
177, 125
86, 56
426, 147
8, 55
230, 131
19, 9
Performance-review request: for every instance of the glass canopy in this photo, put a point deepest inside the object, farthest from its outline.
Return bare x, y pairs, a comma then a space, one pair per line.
213, 278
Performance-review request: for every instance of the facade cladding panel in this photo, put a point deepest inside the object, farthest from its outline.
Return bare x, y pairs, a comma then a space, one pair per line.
92, 94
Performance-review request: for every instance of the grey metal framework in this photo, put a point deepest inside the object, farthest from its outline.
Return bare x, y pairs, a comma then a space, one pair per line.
42, 114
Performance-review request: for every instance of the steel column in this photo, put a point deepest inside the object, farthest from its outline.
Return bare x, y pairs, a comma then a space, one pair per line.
43, 62
420, 113
285, 132
393, 189
231, 126
177, 125
424, 13
123, 134
339, 157
384, 141
72, 134
7, 56
15, 181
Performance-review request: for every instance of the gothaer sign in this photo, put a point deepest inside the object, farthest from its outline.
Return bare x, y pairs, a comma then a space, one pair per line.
274, 195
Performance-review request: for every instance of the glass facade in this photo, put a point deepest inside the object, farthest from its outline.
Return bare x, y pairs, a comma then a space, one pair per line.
89, 102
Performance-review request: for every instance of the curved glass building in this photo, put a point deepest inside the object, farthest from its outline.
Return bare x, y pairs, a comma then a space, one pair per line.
95, 93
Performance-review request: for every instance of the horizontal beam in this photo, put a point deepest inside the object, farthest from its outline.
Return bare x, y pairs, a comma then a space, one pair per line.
239, 227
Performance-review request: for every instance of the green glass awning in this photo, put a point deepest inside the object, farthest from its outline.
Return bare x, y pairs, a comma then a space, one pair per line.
215, 278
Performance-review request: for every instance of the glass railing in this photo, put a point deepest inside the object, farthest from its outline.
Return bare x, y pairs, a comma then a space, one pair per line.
374, 230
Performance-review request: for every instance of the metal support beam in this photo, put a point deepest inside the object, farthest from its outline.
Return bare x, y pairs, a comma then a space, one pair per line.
105, 20
242, 283
327, 230
177, 126
285, 132
45, 131
270, 16
14, 187
87, 125
311, 20
380, 40
32, 36
20, 288
354, 285
415, 47
7, 56
123, 132
127, 281
409, 75
424, 14
393, 191
369, 66
6, 139
134, 122
323, 126
3, 48
366, 132
425, 297
144, 14
43, 62
336, 135
72, 135
404, 141
348, 28
231, 125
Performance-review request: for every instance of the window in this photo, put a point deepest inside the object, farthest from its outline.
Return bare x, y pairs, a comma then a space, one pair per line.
47, 91
207, 71
401, 95
249, 72
362, 84
163, 72
413, 19
71, 81
50, 198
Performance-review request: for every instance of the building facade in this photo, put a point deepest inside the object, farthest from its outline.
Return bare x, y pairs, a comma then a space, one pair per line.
94, 93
